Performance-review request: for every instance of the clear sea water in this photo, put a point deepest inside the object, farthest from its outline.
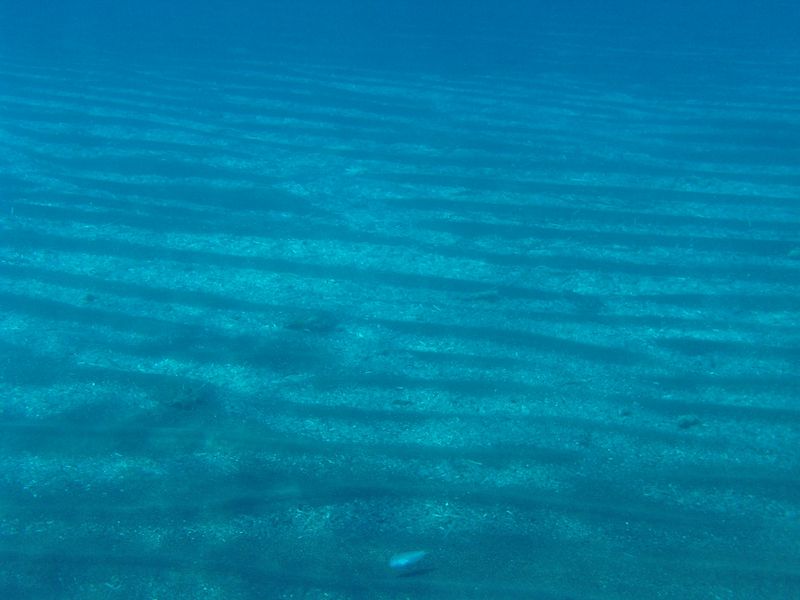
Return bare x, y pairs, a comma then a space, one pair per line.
399, 300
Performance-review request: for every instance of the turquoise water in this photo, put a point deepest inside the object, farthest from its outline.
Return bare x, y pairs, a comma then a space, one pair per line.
505, 294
